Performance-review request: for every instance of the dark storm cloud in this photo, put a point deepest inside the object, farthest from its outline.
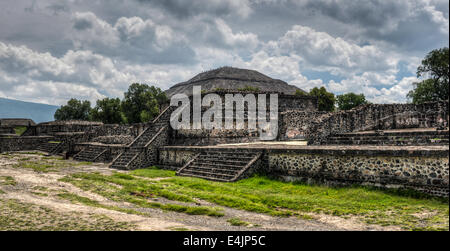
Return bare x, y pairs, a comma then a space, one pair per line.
184, 9
100, 46
82, 24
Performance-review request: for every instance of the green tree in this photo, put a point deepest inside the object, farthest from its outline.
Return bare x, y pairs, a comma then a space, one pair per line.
326, 99
350, 100
142, 103
299, 92
159, 95
435, 68
74, 110
108, 111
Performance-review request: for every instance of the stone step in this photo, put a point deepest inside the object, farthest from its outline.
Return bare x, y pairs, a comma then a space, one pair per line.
392, 137
211, 164
423, 137
230, 159
209, 174
387, 142
203, 177
88, 153
214, 169
396, 134
46, 147
218, 164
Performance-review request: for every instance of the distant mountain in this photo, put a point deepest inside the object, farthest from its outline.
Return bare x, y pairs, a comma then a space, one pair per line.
10, 108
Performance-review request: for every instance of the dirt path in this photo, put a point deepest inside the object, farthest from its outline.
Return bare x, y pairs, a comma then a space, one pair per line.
42, 189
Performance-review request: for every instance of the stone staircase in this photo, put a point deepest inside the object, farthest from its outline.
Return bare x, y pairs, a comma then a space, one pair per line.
90, 153
392, 137
49, 147
136, 149
225, 165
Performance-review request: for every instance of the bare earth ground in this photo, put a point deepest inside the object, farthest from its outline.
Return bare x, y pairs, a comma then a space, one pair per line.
28, 189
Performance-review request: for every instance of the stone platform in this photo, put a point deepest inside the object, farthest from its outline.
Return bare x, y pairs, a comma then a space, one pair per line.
423, 168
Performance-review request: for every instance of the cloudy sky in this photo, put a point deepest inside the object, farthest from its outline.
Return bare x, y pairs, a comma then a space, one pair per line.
52, 50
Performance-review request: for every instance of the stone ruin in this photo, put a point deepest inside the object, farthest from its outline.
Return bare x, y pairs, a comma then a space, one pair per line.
386, 145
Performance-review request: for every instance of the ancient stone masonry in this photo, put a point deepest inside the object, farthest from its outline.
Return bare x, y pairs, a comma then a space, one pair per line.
143, 151
7, 126
425, 169
233, 79
293, 124
222, 164
384, 145
286, 102
10, 144
364, 118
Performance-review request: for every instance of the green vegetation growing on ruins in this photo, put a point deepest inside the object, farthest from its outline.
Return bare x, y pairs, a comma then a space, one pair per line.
249, 89
20, 130
300, 93
408, 210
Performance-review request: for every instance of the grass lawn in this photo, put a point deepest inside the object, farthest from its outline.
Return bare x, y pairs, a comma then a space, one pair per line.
409, 210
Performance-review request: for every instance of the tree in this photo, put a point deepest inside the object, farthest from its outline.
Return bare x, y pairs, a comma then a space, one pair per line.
142, 103
299, 92
326, 99
350, 100
108, 111
159, 95
74, 110
435, 67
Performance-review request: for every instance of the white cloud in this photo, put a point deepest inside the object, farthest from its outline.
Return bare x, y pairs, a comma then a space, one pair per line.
242, 40
324, 52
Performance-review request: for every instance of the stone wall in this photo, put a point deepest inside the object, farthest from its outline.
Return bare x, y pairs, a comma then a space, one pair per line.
14, 122
7, 130
427, 174
198, 137
212, 137
175, 158
316, 126
419, 168
8, 144
293, 124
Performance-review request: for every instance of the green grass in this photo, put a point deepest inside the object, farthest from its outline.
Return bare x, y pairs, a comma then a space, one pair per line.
19, 216
178, 229
7, 181
137, 191
46, 164
74, 198
264, 195
153, 172
237, 222
20, 130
